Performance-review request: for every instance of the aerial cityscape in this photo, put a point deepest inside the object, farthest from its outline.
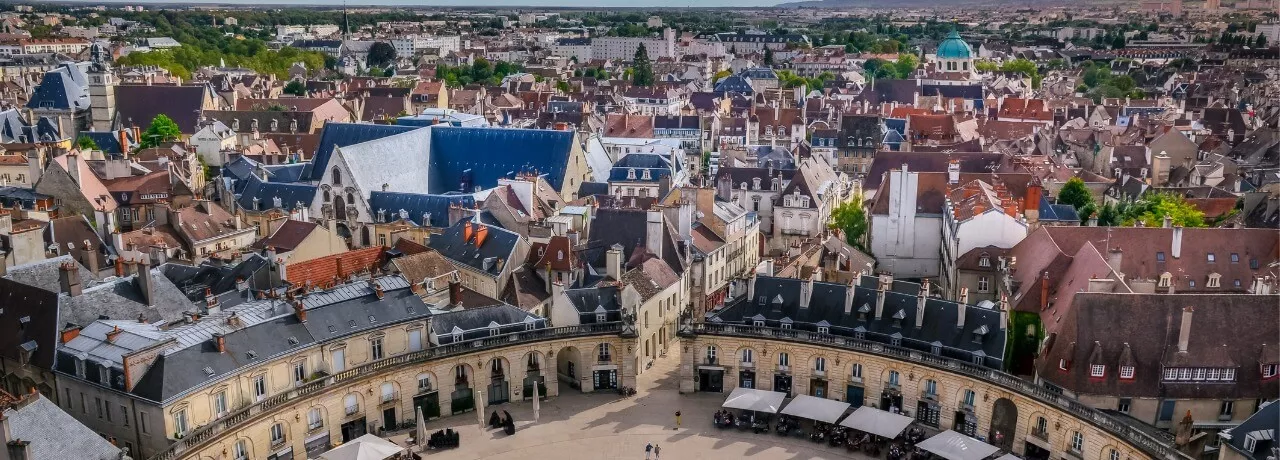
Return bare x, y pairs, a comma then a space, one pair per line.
560, 229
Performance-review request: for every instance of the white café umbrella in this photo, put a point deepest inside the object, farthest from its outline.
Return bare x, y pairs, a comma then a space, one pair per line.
955, 446
479, 400
536, 404
420, 433
367, 447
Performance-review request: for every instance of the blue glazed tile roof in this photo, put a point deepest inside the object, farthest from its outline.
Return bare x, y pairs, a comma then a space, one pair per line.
416, 206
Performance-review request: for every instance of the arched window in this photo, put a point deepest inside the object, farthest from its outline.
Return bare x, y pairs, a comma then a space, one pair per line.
602, 352
711, 354
424, 382
784, 360
241, 450
351, 403
337, 177
351, 199
748, 356
326, 196
820, 364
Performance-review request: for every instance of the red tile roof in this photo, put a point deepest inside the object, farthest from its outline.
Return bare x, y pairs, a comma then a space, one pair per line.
329, 270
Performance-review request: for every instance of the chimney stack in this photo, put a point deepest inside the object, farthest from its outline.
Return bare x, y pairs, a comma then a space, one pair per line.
299, 311
920, 303
886, 280
211, 304
1176, 250
221, 341
455, 293
144, 280
653, 232
613, 262
1003, 306
751, 286
1044, 290
90, 258
377, 290
849, 292
806, 292
1184, 331
964, 296
69, 278
119, 266
1114, 257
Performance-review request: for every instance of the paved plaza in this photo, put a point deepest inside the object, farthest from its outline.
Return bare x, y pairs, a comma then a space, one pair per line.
605, 426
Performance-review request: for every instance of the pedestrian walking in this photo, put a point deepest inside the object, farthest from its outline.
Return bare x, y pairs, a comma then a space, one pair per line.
648, 449
677, 421
657, 452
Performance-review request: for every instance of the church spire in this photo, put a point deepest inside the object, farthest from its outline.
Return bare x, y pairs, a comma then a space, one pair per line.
346, 23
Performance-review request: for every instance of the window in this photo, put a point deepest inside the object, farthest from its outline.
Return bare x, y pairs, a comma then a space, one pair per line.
1210, 258
375, 348
97, 403
1077, 442
1227, 408
389, 390
338, 358
241, 450
711, 353
931, 388
1235, 258
260, 387
1114, 455
1097, 370
603, 353
1184, 374
893, 378
299, 372
1268, 371
969, 397
1170, 373
1229, 374
855, 372
748, 356
820, 364
1165, 279
1126, 372
314, 419
1123, 405
351, 403
758, 323
985, 261
424, 382
277, 434
415, 340
600, 317
220, 403
786, 325
180, 421
1160, 257
984, 284
1201, 374
784, 360
124, 414
1215, 280
1042, 425
142, 422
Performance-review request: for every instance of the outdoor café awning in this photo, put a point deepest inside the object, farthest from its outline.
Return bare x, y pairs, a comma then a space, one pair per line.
814, 408
955, 446
877, 422
756, 400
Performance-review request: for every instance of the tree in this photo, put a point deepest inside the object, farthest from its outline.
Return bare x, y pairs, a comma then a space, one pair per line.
1154, 207
1118, 41
381, 54
642, 69
768, 56
162, 130
721, 75
1261, 42
1024, 67
1075, 194
985, 66
851, 219
85, 143
562, 86
906, 65
296, 88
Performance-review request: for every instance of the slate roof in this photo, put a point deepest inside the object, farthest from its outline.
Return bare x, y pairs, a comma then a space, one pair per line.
734, 83
344, 134
288, 236
14, 127
122, 299
65, 87
217, 279
32, 319
416, 207
463, 158
44, 274
657, 165
70, 233
458, 243
54, 434
1262, 427
476, 323
109, 141
267, 193
605, 299
137, 105
777, 300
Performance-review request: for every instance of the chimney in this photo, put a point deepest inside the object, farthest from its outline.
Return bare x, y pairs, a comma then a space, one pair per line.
1176, 250
1114, 257
964, 296
455, 293
1168, 221
1044, 290
849, 292
613, 261
299, 311
751, 286
73, 167
1003, 306
886, 280
144, 279
70, 333
1184, 331
211, 304
920, 302
69, 278
377, 290
221, 341
119, 264
90, 258
1031, 205
806, 292
653, 232
953, 172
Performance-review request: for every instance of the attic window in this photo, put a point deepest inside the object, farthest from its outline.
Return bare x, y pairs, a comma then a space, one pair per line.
351, 323
1235, 258
1097, 370
251, 354
1215, 280
985, 261
1160, 257
1126, 372
208, 371
1165, 279
824, 330
758, 323
293, 340
631, 173
332, 329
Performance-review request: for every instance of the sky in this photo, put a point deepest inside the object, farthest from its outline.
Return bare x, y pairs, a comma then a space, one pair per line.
482, 3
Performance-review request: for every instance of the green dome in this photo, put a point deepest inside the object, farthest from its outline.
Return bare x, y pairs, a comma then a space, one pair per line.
954, 47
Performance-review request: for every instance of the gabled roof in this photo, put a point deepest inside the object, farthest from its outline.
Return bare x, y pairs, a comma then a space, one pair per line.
53, 434
418, 208
482, 247
138, 105
331, 270
463, 158
344, 134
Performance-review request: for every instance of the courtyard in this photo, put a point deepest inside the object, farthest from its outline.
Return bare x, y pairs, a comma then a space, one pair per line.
608, 426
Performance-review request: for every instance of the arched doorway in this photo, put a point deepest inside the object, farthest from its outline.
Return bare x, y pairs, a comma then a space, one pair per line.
1004, 423
568, 367
499, 390
339, 207
462, 399
533, 374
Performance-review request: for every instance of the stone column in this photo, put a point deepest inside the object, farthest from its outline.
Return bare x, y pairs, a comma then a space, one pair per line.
687, 364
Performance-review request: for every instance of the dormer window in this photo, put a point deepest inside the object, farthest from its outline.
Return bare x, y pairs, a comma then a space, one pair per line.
824, 330
1210, 258
758, 323
646, 175
600, 317
1165, 279
985, 261
1269, 370
755, 183
1097, 370
1215, 280
1063, 364
631, 173
1126, 372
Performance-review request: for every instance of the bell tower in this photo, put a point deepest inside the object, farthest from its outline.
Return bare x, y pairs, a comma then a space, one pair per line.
102, 89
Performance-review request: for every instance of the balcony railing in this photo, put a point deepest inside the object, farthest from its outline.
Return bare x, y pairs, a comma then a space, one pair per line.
1039, 433
1149, 444
352, 410
390, 397
242, 417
